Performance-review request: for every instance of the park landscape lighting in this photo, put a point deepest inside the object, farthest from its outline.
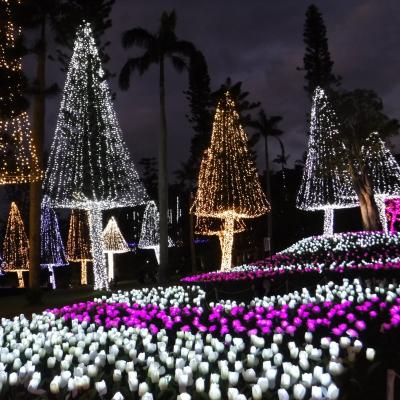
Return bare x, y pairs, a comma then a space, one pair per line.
150, 230
326, 183
15, 245
52, 252
19, 161
98, 173
78, 243
228, 186
383, 171
113, 242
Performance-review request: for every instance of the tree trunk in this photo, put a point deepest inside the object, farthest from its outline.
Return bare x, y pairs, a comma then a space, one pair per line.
163, 181
268, 190
191, 236
38, 128
368, 208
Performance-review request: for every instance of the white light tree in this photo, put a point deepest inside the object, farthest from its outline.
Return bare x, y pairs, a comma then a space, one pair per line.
326, 183
150, 232
383, 172
52, 252
89, 165
113, 242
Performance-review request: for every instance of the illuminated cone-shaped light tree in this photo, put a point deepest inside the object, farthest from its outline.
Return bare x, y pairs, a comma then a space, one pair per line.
18, 157
15, 245
78, 243
150, 232
113, 242
89, 165
383, 172
52, 252
228, 187
326, 183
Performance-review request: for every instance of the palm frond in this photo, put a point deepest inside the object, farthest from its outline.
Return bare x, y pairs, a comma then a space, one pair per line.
139, 37
178, 63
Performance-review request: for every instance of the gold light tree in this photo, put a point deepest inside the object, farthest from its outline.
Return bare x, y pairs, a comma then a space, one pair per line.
18, 157
78, 244
229, 188
15, 245
113, 242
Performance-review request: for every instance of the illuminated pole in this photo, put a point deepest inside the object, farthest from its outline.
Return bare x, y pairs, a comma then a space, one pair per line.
96, 244
328, 221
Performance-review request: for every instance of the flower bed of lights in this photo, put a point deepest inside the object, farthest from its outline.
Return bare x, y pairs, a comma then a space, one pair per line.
301, 344
335, 253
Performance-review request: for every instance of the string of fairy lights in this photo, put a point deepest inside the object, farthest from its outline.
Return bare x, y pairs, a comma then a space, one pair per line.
228, 184
99, 174
18, 157
113, 242
326, 183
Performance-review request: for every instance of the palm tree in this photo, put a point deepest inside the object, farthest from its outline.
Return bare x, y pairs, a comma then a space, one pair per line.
267, 127
158, 47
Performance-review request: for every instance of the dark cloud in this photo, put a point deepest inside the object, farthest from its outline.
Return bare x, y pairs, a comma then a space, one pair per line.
259, 43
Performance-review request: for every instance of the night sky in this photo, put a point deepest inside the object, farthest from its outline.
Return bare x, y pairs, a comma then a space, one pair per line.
259, 43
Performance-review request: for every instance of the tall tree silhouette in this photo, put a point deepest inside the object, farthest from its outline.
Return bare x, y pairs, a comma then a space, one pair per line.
267, 127
200, 117
158, 48
317, 62
71, 15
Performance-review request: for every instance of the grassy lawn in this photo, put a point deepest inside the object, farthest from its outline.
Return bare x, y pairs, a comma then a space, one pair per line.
17, 302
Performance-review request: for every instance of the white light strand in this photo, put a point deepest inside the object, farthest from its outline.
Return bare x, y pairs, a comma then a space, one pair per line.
326, 182
150, 231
